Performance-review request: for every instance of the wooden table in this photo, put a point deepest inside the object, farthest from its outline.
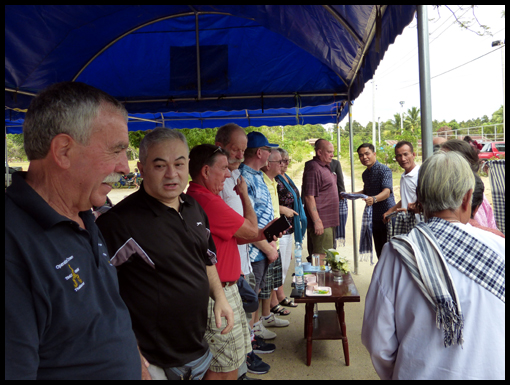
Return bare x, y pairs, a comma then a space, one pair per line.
330, 324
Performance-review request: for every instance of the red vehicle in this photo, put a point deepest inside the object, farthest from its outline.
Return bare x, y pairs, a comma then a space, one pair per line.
492, 149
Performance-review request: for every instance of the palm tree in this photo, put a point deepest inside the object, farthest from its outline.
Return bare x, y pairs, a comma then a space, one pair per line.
412, 120
393, 124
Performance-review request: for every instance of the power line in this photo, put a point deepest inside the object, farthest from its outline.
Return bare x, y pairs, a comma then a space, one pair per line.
450, 70
414, 51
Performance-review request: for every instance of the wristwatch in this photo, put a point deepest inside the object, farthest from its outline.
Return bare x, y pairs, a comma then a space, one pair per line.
375, 199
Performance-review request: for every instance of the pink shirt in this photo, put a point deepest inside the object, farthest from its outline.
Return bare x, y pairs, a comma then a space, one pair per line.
485, 216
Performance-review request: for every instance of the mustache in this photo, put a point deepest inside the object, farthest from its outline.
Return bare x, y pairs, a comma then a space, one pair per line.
233, 161
112, 178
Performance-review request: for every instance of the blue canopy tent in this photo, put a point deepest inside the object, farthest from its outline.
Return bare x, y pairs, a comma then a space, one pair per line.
210, 119
161, 58
254, 64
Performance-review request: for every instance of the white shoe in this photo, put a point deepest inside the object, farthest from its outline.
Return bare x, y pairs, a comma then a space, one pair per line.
274, 321
261, 331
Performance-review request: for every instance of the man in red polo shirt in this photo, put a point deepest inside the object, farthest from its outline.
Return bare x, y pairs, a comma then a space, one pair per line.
208, 169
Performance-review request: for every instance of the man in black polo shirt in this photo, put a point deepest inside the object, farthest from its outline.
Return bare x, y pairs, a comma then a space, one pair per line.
161, 245
64, 317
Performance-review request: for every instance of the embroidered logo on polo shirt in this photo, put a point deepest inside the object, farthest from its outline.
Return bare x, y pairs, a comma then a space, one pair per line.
77, 281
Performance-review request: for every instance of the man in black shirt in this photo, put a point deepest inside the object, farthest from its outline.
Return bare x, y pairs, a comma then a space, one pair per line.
378, 185
64, 317
161, 245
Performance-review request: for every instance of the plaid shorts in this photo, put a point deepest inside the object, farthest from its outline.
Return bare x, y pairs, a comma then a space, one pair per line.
229, 350
273, 278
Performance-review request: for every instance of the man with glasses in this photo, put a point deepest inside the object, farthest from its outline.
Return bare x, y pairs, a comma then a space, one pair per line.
233, 139
274, 273
261, 253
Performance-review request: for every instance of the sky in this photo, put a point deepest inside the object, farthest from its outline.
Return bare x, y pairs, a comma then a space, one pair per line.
469, 92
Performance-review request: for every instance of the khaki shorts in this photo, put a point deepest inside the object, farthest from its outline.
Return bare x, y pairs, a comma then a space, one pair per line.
229, 350
321, 242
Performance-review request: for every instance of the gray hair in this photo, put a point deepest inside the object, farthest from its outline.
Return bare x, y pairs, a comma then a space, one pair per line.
156, 136
64, 108
283, 152
225, 132
443, 181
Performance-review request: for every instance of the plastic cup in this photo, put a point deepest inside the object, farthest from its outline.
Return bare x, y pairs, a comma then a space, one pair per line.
321, 278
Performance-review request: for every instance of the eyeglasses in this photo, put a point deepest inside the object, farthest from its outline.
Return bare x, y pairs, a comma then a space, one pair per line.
220, 150
276, 161
287, 161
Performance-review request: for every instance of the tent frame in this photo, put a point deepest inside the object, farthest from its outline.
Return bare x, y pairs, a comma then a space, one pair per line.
364, 44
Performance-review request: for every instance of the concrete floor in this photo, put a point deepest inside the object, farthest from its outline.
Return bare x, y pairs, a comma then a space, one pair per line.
288, 361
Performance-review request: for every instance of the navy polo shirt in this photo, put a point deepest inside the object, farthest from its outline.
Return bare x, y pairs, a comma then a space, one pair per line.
64, 317
376, 179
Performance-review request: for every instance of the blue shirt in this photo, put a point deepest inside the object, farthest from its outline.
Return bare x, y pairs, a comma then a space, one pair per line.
376, 179
260, 199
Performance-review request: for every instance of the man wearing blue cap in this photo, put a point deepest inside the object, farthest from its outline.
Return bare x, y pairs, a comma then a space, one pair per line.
261, 253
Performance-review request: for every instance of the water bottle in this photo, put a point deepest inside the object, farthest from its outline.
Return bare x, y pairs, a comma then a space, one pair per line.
298, 271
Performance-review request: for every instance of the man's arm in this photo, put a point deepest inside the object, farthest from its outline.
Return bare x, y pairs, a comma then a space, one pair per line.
397, 207
311, 208
221, 305
383, 195
269, 249
378, 333
249, 230
145, 367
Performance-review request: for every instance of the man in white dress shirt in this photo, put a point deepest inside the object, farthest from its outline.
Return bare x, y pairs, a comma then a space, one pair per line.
435, 308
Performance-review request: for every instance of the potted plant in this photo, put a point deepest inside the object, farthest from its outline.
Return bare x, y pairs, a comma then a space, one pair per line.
339, 265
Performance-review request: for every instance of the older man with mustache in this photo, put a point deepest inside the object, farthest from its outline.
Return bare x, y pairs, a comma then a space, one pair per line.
64, 317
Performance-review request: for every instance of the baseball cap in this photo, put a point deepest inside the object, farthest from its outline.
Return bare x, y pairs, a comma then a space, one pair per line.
257, 139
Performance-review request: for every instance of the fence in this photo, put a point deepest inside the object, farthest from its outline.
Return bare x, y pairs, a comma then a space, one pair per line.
478, 133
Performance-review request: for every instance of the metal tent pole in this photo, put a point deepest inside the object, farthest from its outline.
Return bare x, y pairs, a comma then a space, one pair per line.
425, 94
351, 151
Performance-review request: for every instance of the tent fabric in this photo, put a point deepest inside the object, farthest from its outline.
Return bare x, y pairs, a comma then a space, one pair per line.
251, 57
333, 113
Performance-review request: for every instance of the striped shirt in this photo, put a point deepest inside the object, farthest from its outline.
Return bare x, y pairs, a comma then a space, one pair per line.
321, 183
261, 202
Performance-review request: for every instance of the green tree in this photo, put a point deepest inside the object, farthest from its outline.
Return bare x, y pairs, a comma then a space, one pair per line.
497, 116
15, 149
394, 124
454, 125
412, 120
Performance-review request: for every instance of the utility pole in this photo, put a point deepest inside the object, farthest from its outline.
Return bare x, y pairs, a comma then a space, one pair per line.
495, 44
425, 86
401, 118
379, 127
373, 115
